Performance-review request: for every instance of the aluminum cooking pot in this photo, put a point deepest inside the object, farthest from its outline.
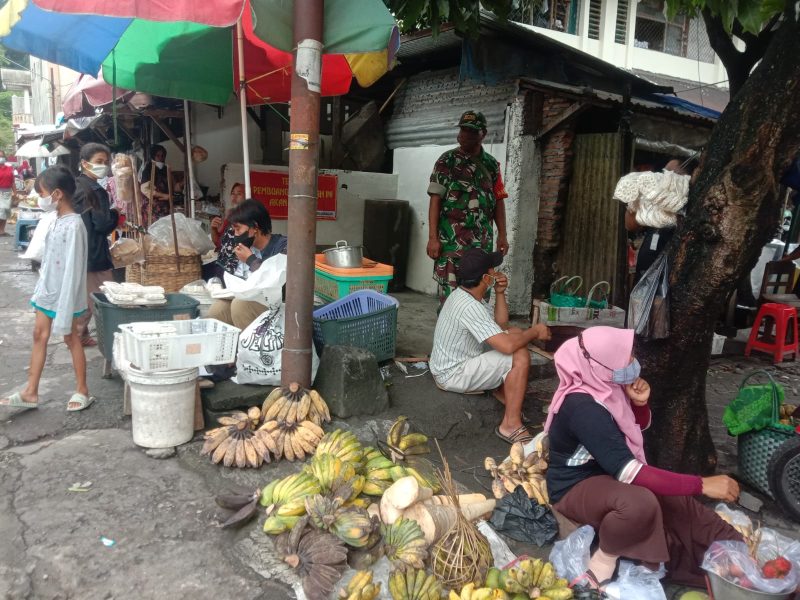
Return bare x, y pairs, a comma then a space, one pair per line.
343, 256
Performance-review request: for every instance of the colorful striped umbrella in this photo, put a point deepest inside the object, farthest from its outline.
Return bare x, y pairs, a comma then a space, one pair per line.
186, 49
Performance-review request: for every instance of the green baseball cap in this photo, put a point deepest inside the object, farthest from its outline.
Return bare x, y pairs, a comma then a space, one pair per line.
473, 120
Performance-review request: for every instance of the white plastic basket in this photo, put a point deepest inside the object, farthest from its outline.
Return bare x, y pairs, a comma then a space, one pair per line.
165, 345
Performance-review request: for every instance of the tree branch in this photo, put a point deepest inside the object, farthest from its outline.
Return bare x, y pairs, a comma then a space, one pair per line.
720, 41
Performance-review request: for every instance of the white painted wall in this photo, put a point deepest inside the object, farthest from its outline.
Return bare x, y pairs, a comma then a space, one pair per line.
413, 167
354, 187
222, 137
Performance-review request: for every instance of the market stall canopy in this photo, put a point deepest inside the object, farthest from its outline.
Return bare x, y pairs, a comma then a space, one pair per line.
35, 149
187, 51
87, 93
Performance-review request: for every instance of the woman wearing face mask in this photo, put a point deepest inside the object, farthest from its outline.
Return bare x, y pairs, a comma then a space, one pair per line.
158, 156
254, 243
60, 294
598, 474
93, 204
223, 236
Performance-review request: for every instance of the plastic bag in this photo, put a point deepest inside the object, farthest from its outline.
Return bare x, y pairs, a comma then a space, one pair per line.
524, 520
126, 251
570, 556
35, 249
259, 358
636, 581
732, 561
190, 234
264, 285
648, 309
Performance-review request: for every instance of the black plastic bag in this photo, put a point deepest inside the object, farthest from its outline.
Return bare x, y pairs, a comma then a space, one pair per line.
524, 519
648, 307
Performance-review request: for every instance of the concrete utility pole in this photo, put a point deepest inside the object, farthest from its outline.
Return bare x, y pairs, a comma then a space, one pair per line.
303, 167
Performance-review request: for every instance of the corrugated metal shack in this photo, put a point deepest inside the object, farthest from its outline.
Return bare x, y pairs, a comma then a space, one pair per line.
563, 124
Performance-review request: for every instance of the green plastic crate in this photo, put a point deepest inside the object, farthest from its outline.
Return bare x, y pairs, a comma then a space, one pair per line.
330, 287
108, 317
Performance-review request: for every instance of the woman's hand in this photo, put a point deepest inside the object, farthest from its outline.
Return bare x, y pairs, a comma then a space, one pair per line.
638, 392
242, 252
721, 487
216, 223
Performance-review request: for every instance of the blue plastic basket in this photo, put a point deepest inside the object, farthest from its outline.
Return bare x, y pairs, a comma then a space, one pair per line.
364, 319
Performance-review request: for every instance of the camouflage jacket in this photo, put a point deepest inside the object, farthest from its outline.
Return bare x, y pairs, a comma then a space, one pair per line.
469, 188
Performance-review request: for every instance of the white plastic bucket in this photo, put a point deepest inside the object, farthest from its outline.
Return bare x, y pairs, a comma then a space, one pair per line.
162, 406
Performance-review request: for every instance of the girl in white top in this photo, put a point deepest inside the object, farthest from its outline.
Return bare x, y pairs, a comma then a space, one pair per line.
60, 293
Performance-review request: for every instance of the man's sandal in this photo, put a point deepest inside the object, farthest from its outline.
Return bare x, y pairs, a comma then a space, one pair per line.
520, 435
15, 400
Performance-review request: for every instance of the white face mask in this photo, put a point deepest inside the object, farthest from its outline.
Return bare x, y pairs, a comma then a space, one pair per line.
160, 165
2, 160
97, 170
46, 203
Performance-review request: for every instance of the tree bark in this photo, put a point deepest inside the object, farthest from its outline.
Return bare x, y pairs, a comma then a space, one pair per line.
733, 211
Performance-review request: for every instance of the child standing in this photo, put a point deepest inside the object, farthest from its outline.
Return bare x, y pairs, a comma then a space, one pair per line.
60, 293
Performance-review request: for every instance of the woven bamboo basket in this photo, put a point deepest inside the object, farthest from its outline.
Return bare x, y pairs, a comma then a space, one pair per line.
163, 271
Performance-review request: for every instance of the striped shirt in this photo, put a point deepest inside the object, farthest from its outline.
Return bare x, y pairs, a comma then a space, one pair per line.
463, 326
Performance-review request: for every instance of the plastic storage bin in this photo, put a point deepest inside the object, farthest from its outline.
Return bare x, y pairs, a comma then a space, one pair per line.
365, 319
164, 345
332, 283
109, 317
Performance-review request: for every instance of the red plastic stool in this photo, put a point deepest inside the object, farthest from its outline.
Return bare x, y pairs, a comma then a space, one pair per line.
784, 340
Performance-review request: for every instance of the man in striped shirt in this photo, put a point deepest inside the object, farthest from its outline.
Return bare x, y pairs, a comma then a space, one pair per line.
475, 350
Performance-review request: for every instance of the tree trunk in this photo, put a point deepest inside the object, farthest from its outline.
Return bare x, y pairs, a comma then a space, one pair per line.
733, 211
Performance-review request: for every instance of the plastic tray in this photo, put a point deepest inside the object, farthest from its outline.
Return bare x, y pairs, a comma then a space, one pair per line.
108, 317
365, 319
179, 344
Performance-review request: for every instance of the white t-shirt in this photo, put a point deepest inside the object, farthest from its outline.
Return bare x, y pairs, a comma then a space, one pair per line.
463, 326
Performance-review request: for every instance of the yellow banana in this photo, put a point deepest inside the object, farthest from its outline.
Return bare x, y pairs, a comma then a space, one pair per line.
412, 439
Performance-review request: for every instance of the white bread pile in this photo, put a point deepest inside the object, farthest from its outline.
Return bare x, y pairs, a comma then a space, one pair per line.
133, 294
656, 198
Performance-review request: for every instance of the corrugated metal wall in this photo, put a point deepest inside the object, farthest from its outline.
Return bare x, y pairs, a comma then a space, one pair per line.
590, 246
427, 108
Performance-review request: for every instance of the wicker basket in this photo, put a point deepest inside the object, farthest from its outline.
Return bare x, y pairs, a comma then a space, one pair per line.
163, 271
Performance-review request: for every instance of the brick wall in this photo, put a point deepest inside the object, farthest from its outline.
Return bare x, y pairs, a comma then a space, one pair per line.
556, 152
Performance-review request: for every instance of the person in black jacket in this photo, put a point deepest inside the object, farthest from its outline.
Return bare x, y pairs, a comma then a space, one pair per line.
93, 204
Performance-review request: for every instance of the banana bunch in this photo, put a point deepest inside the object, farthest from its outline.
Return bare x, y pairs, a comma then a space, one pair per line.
414, 584
331, 472
408, 450
404, 543
235, 443
378, 472
293, 441
293, 404
350, 524
470, 592
361, 587
536, 578
518, 469
787, 413
344, 445
404, 443
285, 500
318, 558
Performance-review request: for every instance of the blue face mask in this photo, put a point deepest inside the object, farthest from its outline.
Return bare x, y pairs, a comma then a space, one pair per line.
628, 374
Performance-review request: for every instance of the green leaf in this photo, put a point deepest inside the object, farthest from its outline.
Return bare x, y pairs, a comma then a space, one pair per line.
749, 15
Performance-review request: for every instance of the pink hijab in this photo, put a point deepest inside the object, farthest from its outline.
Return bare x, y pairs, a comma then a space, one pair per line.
612, 347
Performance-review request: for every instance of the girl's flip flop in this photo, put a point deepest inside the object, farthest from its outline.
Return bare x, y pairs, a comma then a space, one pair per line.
81, 400
15, 400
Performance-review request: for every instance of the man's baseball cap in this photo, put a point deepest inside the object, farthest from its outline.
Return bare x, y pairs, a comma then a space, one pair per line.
473, 120
476, 263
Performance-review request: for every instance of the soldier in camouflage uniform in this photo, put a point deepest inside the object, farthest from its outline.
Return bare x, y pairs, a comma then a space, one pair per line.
466, 200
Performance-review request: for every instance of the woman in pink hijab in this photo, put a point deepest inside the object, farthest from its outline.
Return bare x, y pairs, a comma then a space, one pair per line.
598, 473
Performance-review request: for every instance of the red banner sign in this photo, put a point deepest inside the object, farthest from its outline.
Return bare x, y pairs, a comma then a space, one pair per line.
272, 189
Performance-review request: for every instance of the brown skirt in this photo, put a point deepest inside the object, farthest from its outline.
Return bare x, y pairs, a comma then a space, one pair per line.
635, 523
